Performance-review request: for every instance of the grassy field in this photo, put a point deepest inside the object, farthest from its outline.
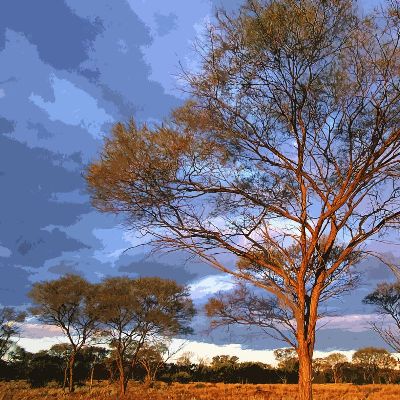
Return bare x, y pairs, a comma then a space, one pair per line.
203, 391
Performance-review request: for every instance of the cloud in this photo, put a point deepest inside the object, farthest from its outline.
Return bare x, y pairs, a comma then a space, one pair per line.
64, 80
152, 268
40, 331
209, 285
165, 23
84, 113
61, 37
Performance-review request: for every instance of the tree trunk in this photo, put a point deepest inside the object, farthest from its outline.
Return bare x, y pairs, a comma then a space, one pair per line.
91, 377
305, 352
65, 376
335, 374
71, 372
122, 376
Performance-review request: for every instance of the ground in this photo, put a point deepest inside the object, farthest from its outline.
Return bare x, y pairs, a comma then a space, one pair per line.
201, 391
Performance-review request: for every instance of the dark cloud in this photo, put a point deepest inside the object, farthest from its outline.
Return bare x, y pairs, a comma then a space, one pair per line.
165, 23
6, 126
146, 268
115, 61
64, 268
62, 38
14, 283
228, 5
31, 176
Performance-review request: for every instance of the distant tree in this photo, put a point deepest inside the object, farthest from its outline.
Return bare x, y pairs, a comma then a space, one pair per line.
16, 365
328, 364
67, 303
224, 368
287, 359
95, 356
152, 357
224, 361
386, 298
133, 311
288, 362
185, 359
9, 327
63, 352
286, 155
44, 368
333, 360
348, 372
372, 360
254, 372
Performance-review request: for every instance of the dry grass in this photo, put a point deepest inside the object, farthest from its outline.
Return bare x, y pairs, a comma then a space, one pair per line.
203, 391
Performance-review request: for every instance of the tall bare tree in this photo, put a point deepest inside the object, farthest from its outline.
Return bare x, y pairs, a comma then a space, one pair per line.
66, 303
286, 156
134, 311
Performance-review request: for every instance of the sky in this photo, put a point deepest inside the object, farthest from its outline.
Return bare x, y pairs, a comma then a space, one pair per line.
69, 70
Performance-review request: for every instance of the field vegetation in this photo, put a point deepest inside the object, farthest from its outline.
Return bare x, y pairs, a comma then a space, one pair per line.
201, 391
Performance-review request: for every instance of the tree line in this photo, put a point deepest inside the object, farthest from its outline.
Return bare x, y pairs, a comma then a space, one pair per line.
121, 329
368, 365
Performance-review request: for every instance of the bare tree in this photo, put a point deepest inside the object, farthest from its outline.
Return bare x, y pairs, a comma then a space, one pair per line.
66, 303
9, 327
287, 154
133, 312
386, 298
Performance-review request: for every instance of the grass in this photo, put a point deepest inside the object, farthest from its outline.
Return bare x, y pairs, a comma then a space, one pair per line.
201, 391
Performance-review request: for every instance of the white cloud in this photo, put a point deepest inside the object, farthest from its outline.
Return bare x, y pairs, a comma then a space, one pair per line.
5, 251
73, 106
209, 350
210, 285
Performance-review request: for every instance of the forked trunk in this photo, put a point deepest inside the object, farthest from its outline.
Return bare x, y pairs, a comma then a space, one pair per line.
305, 371
123, 379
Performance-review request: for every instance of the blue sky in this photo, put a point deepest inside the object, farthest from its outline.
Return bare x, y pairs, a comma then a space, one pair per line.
68, 71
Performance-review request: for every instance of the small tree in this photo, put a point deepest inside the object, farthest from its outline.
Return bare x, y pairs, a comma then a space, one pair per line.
66, 303
152, 357
132, 311
185, 359
386, 298
372, 360
224, 368
288, 362
286, 156
63, 352
96, 356
9, 327
333, 360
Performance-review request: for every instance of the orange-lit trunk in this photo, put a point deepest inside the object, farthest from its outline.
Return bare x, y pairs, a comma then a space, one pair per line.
305, 351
